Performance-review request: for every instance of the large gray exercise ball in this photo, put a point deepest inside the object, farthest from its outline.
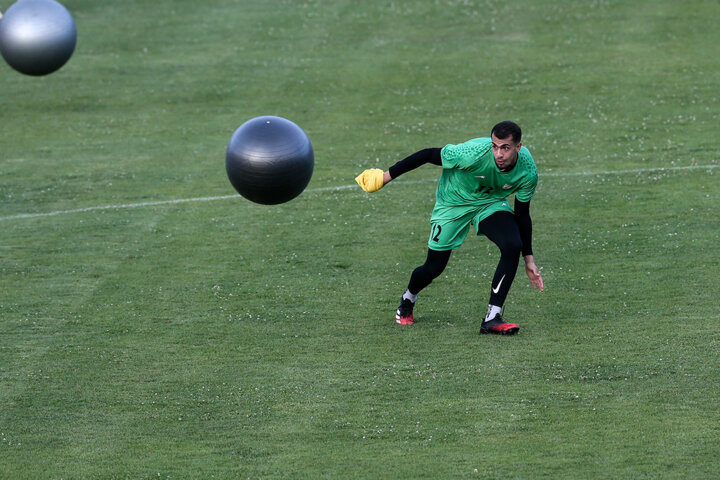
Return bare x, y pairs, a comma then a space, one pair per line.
269, 160
37, 36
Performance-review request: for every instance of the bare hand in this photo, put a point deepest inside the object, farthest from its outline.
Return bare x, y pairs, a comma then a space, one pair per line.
533, 274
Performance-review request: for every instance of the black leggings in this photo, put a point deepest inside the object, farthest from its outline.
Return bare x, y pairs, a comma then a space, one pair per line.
501, 228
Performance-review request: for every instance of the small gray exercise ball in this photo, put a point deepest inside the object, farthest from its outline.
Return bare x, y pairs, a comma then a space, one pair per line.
269, 160
37, 37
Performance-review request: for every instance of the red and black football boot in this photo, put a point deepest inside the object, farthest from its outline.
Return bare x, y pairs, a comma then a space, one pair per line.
404, 314
498, 326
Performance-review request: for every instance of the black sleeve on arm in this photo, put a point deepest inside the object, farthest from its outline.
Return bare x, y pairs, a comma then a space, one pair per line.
428, 155
522, 216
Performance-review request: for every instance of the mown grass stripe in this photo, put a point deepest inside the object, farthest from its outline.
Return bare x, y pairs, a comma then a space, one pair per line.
122, 206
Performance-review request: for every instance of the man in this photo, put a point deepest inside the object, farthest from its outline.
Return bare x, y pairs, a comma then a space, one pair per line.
476, 180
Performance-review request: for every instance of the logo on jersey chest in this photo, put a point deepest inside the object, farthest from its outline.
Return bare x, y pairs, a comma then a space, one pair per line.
507, 186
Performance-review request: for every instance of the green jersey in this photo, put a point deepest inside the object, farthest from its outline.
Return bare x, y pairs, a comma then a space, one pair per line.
471, 180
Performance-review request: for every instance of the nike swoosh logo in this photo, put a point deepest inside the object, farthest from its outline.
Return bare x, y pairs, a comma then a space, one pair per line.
497, 289
479, 176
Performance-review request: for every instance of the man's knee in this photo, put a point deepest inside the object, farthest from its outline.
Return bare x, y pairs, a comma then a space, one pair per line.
511, 247
435, 263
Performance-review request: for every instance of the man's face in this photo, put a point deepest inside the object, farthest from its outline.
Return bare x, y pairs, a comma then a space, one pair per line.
505, 152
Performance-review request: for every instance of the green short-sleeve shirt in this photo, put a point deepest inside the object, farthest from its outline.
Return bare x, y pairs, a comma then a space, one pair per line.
472, 186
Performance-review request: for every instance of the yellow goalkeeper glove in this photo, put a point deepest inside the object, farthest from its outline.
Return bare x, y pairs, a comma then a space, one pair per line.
370, 180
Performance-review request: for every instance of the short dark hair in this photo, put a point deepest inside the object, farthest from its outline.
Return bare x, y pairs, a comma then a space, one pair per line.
507, 129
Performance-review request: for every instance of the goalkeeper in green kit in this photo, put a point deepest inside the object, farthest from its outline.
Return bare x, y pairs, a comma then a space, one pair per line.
477, 178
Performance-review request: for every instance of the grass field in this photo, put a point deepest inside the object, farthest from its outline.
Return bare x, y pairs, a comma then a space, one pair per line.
156, 325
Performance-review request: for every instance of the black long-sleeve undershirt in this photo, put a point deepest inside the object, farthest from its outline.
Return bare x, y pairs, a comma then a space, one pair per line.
432, 155
428, 155
522, 217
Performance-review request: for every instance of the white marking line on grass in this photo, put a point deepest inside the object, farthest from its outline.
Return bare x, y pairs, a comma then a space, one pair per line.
329, 189
117, 207
632, 170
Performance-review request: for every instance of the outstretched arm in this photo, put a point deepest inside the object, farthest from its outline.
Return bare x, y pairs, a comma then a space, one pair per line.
374, 179
417, 159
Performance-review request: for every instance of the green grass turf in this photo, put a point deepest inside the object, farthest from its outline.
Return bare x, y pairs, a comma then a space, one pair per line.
223, 339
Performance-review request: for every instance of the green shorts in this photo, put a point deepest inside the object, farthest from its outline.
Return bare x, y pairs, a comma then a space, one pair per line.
450, 225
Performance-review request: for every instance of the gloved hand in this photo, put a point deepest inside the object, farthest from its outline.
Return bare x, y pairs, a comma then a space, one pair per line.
371, 180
